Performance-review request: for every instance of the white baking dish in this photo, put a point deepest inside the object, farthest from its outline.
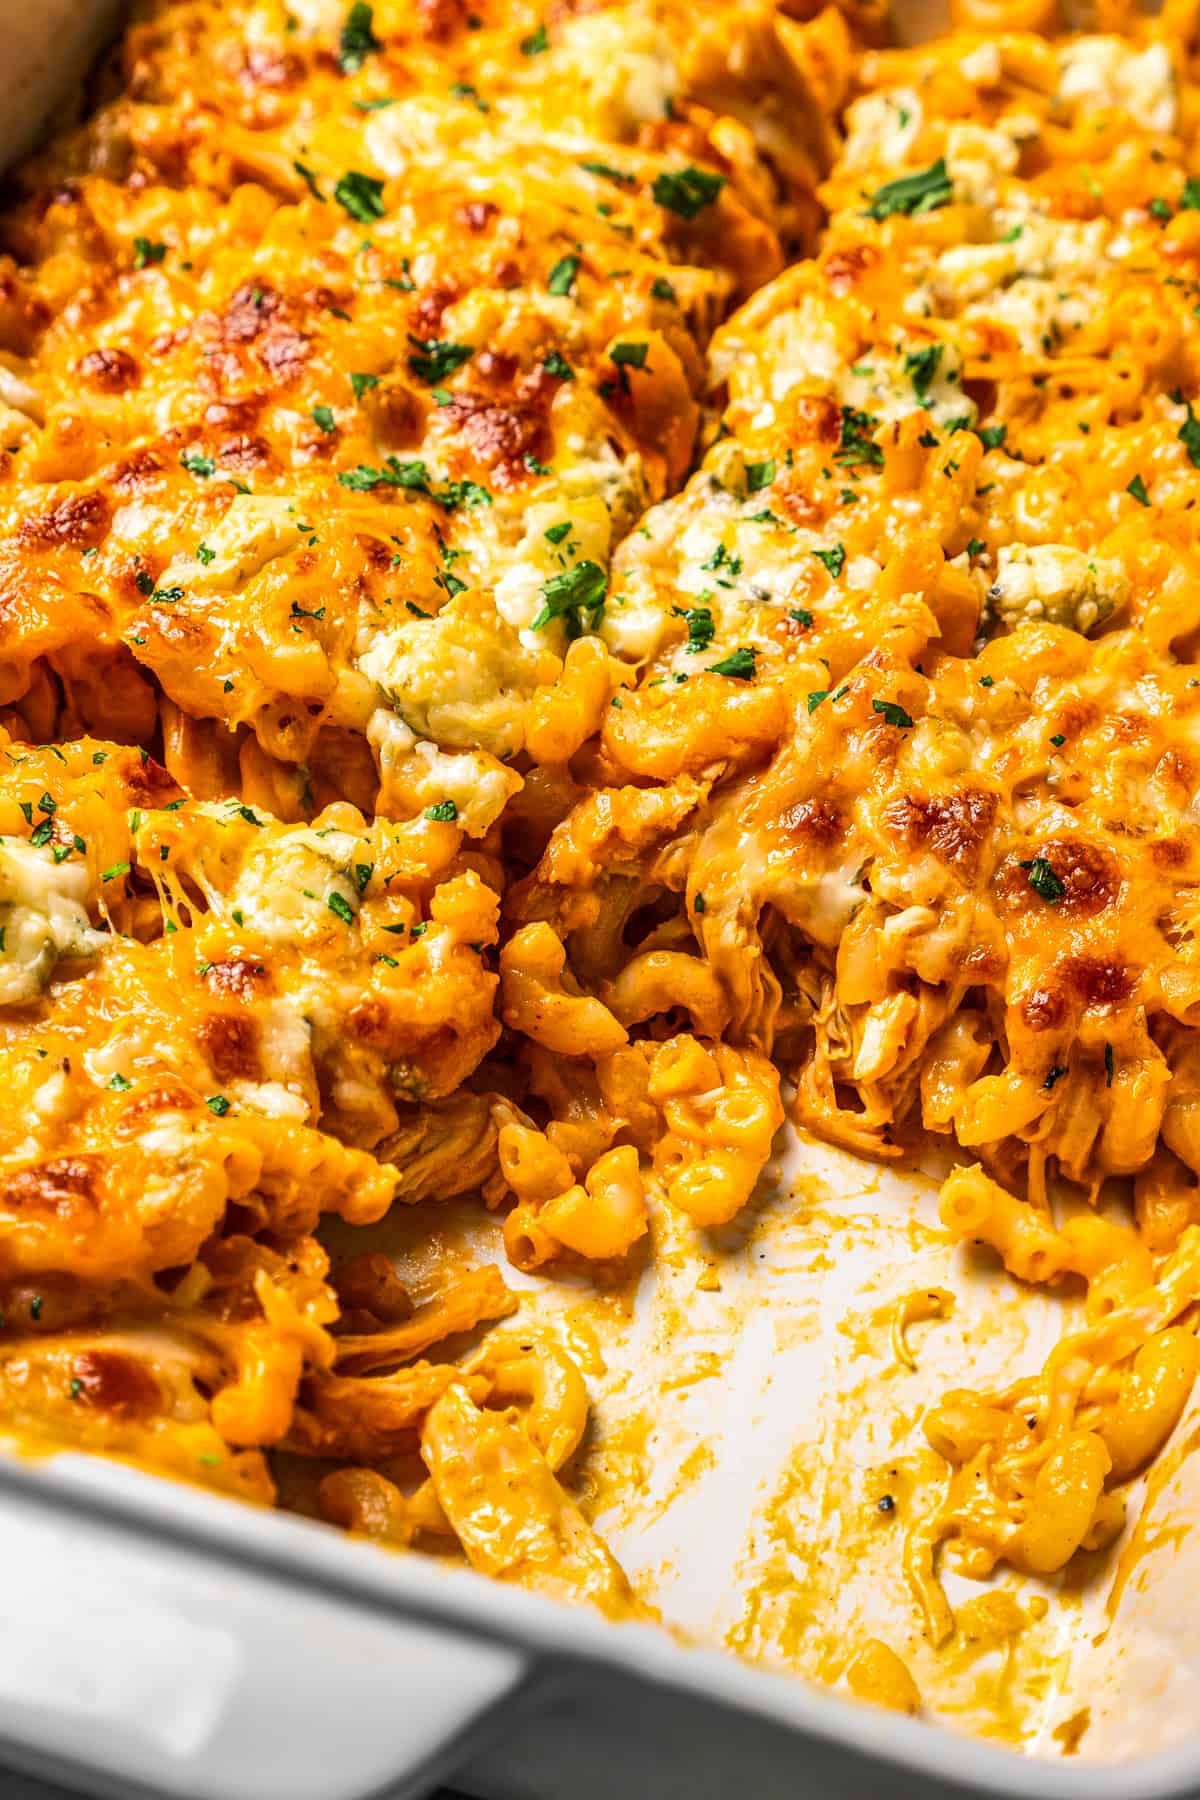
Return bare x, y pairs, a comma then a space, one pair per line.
162, 1641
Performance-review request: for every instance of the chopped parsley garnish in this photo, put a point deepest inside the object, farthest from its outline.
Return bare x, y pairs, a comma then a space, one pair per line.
562, 276
205, 555
323, 416
110, 874
143, 581
41, 834
196, 463
120, 1083
536, 42
834, 559
443, 813
893, 714
577, 595
555, 363
361, 195
1189, 436
856, 445
759, 475
913, 194
358, 39
1044, 881
1160, 208
617, 176
414, 475
310, 181
360, 383
302, 612
701, 629
992, 436
631, 356
975, 547
801, 615
661, 289
146, 251
341, 907
432, 359
1137, 488
1057, 739
1189, 200
554, 534
737, 666
218, 1104
463, 90
687, 191
922, 366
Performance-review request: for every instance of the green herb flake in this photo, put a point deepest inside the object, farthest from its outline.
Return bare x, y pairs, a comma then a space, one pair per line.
687, 191
361, 196
834, 559
310, 181
218, 1104
433, 359
737, 666
1189, 436
701, 628
577, 595
1043, 880
561, 278
856, 444
444, 813
341, 907
358, 39
323, 416
146, 252
892, 714
921, 366
914, 194
1137, 488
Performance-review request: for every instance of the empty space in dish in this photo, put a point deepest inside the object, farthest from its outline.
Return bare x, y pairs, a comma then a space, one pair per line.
757, 1396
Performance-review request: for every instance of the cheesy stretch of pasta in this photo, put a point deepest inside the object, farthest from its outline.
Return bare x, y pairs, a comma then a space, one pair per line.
569, 585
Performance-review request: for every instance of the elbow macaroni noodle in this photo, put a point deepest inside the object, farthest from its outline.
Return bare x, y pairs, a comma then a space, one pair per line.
524, 654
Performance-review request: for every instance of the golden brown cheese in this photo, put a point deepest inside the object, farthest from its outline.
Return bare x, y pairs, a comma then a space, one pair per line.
354, 371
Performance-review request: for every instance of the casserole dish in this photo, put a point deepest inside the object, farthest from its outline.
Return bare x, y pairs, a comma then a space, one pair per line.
165, 1642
